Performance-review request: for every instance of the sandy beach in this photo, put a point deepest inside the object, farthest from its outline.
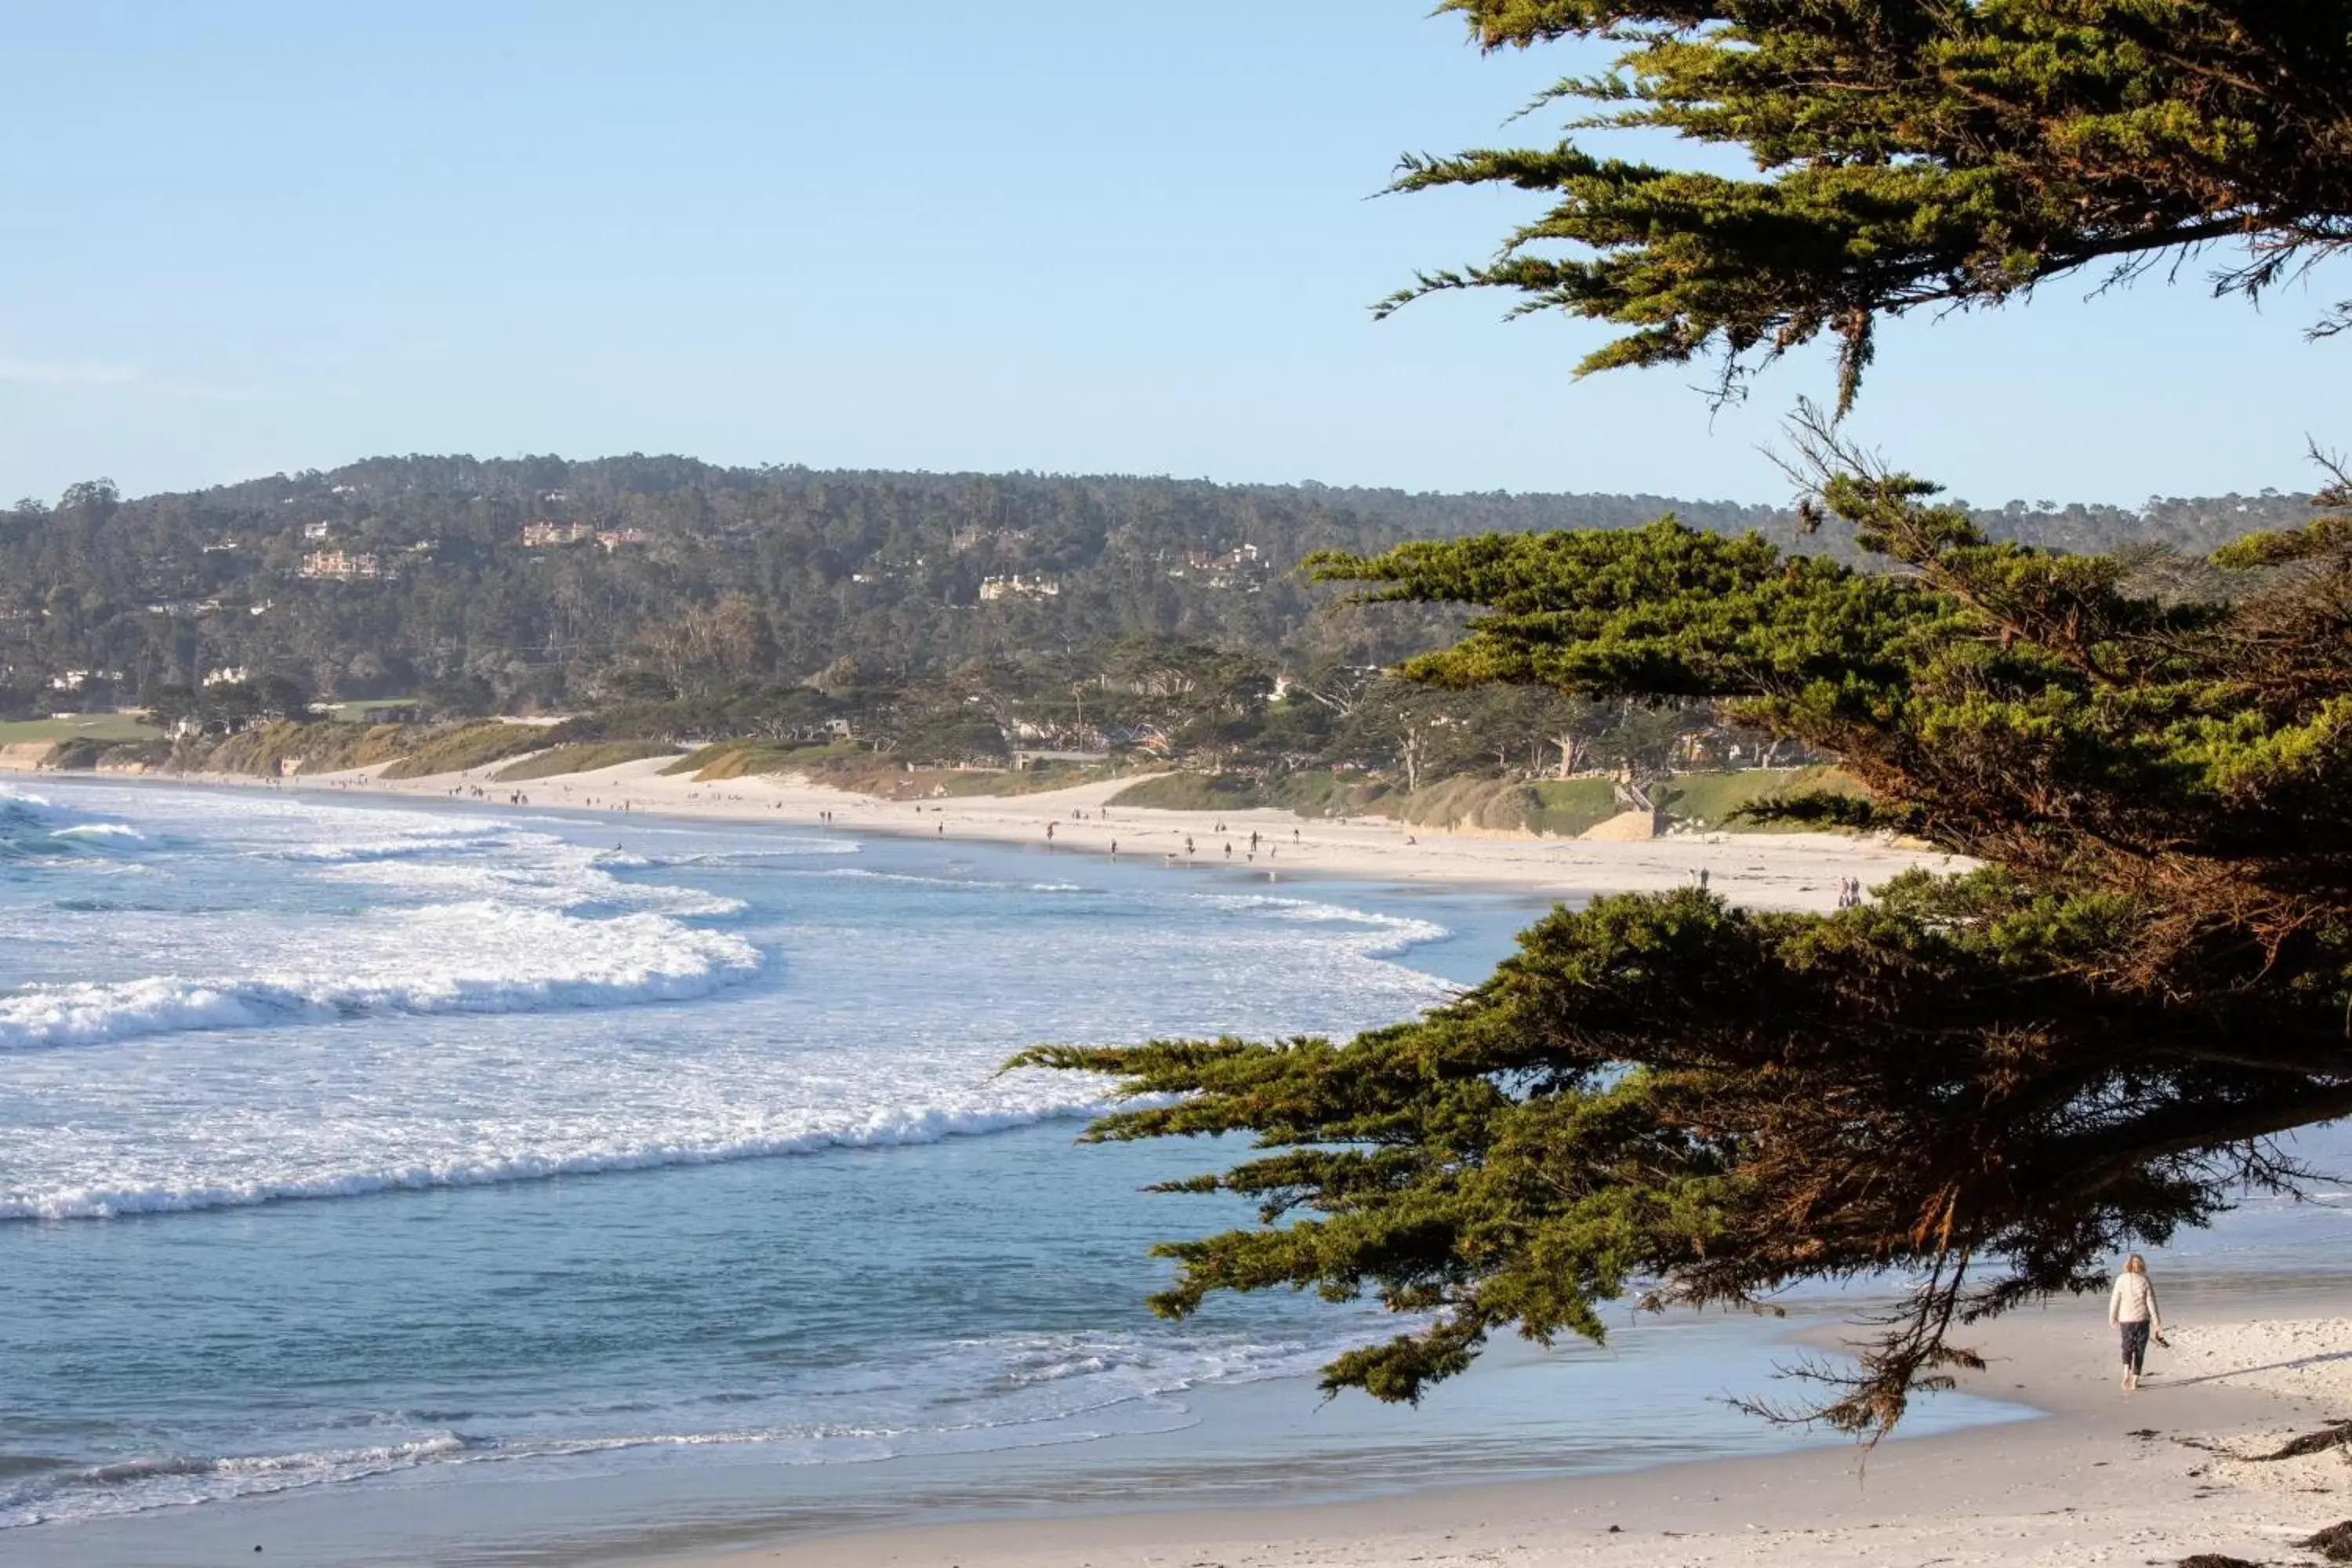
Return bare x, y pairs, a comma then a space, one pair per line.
1760, 871
2100, 1479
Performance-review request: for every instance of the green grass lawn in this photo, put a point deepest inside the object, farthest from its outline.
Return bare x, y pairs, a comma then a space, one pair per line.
1568, 807
365, 711
1712, 800
78, 727
1194, 792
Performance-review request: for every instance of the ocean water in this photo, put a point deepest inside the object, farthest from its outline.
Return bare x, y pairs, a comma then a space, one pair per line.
564, 1181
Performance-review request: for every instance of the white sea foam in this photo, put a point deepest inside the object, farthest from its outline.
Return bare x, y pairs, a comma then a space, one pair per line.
24, 806
915, 879
133, 1485
479, 957
796, 1134
1385, 935
770, 850
529, 868
100, 830
407, 847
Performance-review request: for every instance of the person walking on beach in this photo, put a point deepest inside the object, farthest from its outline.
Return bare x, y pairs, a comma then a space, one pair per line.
2132, 1309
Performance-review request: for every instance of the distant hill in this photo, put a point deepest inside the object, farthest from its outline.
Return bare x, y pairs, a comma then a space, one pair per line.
544, 580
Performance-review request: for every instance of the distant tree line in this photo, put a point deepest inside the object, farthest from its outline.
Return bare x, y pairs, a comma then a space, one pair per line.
712, 581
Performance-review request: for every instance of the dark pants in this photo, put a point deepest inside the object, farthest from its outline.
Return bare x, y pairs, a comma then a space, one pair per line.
2134, 1344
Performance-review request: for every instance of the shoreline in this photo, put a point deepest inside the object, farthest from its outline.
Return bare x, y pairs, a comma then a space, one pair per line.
1756, 871
2248, 1371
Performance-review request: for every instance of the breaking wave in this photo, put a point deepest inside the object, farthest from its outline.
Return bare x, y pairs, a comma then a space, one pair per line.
478, 957
1373, 934
818, 1131
32, 825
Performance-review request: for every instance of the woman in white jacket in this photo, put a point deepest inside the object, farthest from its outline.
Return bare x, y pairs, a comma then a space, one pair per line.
2131, 1307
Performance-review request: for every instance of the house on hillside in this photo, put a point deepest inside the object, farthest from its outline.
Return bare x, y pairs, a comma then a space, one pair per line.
612, 539
1018, 586
344, 565
542, 535
1222, 569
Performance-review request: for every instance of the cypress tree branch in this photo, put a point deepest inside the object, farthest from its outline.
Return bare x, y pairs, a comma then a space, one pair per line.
1907, 155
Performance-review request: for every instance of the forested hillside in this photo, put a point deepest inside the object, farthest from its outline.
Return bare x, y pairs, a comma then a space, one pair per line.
486, 582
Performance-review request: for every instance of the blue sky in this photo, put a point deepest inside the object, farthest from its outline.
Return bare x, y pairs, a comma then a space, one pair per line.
245, 236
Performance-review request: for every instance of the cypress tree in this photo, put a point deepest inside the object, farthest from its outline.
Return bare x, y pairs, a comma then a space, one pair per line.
1987, 1081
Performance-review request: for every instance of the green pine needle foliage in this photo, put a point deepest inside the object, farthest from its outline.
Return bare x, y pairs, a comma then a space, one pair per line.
1908, 153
